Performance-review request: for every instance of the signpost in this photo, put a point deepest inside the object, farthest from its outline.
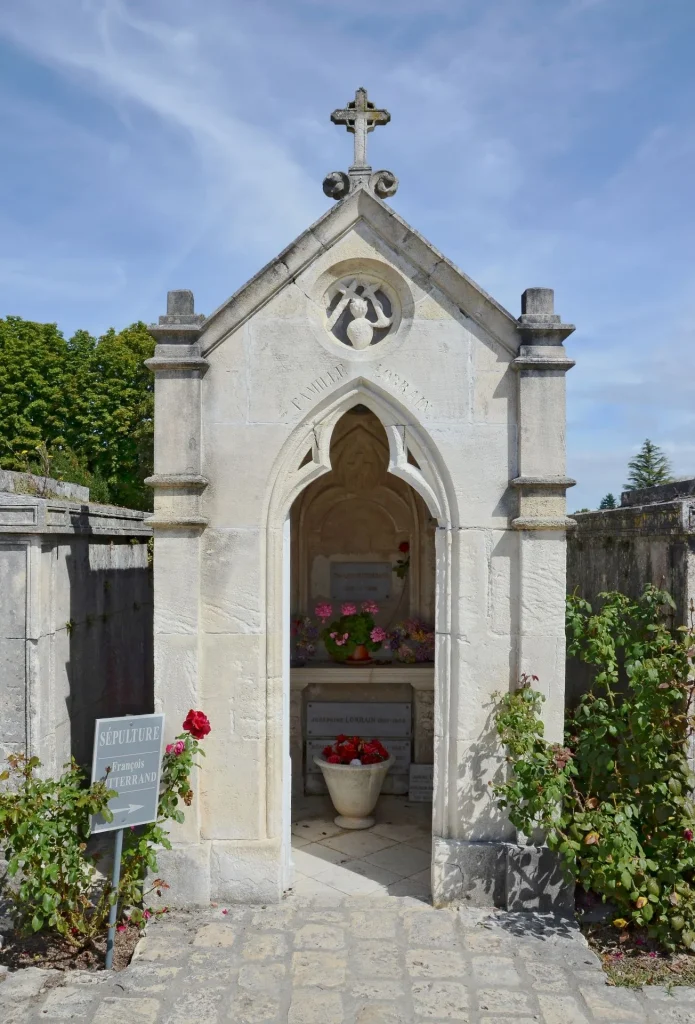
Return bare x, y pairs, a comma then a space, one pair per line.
128, 758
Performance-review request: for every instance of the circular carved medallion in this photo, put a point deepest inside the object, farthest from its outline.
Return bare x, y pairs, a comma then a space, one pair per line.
360, 311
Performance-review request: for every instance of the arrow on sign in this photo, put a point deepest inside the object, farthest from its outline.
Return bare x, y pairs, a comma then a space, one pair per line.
128, 809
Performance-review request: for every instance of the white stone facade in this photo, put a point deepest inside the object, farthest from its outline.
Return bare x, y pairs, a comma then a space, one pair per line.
472, 403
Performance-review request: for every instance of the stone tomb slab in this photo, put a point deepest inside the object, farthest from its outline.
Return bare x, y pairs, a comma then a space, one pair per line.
330, 718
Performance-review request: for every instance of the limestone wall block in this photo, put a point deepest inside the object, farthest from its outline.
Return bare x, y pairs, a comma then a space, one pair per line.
177, 404
470, 581
503, 593
246, 872
475, 814
232, 581
176, 582
232, 667
484, 665
186, 868
224, 388
176, 677
238, 461
481, 459
543, 555
233, 797
542, 437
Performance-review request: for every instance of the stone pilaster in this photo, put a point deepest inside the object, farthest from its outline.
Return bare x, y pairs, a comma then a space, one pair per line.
177, 525
541, 484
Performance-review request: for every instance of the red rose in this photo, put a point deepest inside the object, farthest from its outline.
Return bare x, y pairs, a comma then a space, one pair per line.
371, 759
327, 751
404, 547
197, 724
333, 759
341, 738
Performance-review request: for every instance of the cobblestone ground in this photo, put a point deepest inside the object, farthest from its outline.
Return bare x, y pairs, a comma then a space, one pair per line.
358, 960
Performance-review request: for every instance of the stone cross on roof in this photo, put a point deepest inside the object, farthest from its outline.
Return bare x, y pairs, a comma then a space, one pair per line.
360, 117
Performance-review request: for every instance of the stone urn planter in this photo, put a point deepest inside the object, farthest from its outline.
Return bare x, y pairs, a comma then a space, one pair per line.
354, 790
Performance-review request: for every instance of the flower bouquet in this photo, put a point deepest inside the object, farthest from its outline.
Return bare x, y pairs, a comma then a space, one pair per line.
305, 633
351, 637
355, 751
412, 641
354, 770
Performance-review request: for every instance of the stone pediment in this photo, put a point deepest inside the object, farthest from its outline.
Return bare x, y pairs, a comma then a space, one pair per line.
361, 207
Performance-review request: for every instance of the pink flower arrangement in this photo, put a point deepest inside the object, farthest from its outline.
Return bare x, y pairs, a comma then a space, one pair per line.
370, 606
176, 748
323, 611
340, 639
348, 609
378, 635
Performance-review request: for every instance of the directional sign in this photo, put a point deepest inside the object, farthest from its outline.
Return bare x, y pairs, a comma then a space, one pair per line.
128, 757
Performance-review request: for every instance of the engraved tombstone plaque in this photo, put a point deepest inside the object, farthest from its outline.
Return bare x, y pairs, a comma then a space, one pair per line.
361, 581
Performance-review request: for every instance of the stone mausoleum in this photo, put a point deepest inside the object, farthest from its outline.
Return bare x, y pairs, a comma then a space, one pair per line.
359, 422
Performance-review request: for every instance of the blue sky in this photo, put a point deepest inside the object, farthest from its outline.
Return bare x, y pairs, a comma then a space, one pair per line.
155, 144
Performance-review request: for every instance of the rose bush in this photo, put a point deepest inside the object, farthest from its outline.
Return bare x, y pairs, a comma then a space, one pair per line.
44, 829
615, 800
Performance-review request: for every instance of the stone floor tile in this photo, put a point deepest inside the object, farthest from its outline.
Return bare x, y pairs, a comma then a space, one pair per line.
495, 970
116, 1010
613, 1004
299, 841
510, 1020
253, 1009
402, 860
557, 1009
319, 936
316, 829
348, 882
674, 1014
159, 947
380, 875
276, 917
314, 858
377, 988
144, 977
409, 887
312, 1006
547, 977
311, 967
368, 924
263, 977
196, 1005
435, 963
215, 934
305, 886
26, 984
504, 1000
431, 930
264, 946
358, 845
375, 958
67, 1002
422, 842
402, 832
441, 1000
483, 941
382, 1013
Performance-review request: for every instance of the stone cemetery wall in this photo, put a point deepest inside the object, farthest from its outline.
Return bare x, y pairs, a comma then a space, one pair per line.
649, 539
75, 623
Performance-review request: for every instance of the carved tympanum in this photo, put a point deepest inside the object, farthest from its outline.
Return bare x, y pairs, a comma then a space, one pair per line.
359, 312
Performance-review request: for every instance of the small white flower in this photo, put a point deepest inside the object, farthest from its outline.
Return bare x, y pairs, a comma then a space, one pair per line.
356, 760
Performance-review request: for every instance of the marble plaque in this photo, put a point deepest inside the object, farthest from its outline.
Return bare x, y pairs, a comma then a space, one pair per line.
421, 783
400, 749
361, 581
355, 718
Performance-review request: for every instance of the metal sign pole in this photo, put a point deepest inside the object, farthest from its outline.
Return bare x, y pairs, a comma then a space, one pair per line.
115, 879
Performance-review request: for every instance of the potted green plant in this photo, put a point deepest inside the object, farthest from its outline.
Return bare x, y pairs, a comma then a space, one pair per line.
351, 637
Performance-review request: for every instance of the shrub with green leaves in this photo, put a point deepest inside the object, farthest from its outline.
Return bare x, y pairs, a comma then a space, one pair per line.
44, 828
615, 800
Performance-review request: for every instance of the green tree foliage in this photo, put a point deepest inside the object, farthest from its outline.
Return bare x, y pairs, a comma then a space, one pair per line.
616, 800
649, 467
80, 409
609, 501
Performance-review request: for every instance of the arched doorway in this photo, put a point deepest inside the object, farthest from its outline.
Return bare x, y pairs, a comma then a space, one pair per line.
359, 449
361, 536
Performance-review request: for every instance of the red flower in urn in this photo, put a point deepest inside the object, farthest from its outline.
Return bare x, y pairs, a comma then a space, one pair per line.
197, 724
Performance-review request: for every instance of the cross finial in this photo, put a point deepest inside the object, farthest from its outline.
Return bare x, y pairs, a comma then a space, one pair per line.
360, 117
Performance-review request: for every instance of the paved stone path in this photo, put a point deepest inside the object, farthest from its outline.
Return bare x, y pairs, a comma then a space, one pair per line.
355, 960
